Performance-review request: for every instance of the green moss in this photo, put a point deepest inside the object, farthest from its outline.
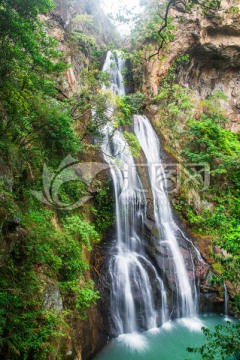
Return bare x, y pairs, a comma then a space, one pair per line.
218, 268
133, 143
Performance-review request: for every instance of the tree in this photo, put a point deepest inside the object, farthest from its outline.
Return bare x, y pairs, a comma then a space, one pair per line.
222, 343
158, 28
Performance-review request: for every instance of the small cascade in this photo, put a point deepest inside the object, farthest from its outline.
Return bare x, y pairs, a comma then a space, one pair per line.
226, 298
113, 65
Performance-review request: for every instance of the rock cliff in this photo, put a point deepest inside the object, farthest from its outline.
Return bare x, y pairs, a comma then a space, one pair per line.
213, 44
78, 27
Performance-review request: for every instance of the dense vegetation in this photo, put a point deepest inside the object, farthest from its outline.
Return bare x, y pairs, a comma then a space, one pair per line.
43, 249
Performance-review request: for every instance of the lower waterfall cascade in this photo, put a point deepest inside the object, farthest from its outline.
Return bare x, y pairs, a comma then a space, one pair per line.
139, 294
163, 216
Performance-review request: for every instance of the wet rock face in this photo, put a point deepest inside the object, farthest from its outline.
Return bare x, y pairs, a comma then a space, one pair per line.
101, 276
10, 235
6, 174
87, 337
51, 297
160, 253
205, 79
211, 297
11, 231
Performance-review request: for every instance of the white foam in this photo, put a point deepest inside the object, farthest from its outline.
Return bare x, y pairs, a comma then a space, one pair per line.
227, 318
134, 341
192, 323
168, 325
153, 331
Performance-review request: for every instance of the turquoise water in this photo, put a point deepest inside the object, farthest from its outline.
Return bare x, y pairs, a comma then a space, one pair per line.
166, 343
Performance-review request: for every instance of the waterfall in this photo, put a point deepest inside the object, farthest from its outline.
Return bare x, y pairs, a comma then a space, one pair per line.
132, 301
163, 215
138, 293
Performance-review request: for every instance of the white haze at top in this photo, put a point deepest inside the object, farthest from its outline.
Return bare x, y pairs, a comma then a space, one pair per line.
126, 8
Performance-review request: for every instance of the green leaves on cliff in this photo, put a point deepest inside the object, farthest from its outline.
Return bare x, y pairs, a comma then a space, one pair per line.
24, 42
207, 142
25, 332
133, 143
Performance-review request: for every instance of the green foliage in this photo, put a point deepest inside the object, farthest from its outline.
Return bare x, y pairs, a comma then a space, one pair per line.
24, 42
83, 19
133, 143
82, 230
92, 99
86, 43
126, 106
176, 107
25, 327
221, 344
63, 250
80, 296
36, 128
177, 98
208, 142
33, 125
136, 101
234, 9
54, 248
212, 107
124, 111
104, 207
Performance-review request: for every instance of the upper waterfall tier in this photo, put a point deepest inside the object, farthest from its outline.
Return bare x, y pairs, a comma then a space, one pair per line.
114, 65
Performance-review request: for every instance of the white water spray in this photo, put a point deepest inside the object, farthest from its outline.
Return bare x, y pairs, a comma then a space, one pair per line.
132, 299
135, 281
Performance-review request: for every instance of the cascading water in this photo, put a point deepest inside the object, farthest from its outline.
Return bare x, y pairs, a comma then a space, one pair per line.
226, 298
163, 215
138, 294
132, 300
